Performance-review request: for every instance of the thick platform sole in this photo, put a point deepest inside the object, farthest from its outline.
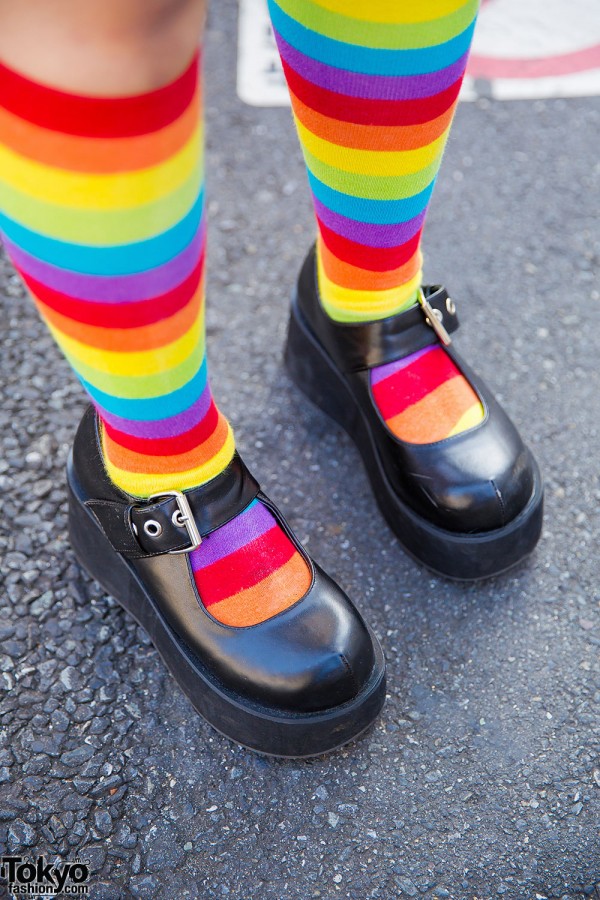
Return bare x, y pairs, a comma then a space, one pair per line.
262, 729
464, 557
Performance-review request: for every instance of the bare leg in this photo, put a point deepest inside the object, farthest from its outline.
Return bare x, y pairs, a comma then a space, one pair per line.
101, 47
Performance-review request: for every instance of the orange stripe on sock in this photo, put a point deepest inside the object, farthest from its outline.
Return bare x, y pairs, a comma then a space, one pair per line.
148, 337
98, 155
434, 417
130, 461
367, 137
279, 590
349, 276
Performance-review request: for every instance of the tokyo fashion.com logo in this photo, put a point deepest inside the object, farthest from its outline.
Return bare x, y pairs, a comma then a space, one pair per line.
42, 878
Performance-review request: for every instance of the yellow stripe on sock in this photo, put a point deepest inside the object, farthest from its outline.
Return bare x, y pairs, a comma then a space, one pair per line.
372, 187
371, 162
137, 363
392, 10
110, 227
396, 35
101, 192
347, 305
472, 417
140, 485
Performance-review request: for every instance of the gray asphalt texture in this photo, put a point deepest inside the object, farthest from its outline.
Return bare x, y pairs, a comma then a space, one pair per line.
482, 777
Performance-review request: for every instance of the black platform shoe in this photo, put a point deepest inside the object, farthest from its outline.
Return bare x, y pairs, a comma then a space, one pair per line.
469, 506
298, 684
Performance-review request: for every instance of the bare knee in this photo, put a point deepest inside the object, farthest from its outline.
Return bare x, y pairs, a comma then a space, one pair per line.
107, 19
101, 46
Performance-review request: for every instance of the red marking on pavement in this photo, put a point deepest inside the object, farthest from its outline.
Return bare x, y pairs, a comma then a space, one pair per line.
561, 64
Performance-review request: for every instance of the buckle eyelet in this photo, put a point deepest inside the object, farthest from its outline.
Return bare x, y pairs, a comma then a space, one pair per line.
182, 517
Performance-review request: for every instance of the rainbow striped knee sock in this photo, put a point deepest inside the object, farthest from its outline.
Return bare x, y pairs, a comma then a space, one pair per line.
102, 213
373, 88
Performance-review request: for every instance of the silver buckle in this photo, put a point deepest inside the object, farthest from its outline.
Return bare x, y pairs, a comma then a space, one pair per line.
434, 319
183, 515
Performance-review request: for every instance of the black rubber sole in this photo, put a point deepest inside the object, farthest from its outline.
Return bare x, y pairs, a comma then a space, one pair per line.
464, 557
259, 728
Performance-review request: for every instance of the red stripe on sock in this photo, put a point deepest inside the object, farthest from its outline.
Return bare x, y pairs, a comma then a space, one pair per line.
171, 446
120, 315
370, 112
103, 117
376, 259
404, 388
245, 568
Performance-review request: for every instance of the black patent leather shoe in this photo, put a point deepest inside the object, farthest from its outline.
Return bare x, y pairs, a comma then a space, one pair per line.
469, 506
301, 683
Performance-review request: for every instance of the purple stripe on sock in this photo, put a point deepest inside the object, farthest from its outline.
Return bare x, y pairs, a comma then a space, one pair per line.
366, 233
371, 87
163, 428
246, 527
112, 288
388, 369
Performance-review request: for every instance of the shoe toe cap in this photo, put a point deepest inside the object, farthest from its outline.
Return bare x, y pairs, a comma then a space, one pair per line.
490, 498
335, 678
315, 656
476, 482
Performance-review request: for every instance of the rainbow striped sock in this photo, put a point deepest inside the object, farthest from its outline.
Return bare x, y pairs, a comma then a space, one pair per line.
373, 88
248, 570
102, 213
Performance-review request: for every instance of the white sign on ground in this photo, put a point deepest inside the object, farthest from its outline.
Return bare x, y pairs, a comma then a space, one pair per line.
523, 49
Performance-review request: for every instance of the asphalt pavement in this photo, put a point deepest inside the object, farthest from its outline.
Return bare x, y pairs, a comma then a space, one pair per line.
481, 780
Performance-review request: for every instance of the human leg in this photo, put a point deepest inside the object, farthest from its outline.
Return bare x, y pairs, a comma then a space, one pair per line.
374, 88
102, 213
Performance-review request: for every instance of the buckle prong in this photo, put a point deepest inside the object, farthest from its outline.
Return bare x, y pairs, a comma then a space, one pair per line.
434, 319
182, 517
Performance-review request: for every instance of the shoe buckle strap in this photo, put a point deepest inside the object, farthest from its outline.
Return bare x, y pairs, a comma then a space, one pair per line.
172, 521
435, 318
357, 346
182, 517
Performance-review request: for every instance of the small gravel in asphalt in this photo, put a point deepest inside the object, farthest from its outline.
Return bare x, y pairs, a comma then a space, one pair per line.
482, 777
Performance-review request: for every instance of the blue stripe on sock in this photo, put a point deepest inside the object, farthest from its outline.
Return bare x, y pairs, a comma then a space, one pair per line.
375, 212
152, 408
382, 61
112, 261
